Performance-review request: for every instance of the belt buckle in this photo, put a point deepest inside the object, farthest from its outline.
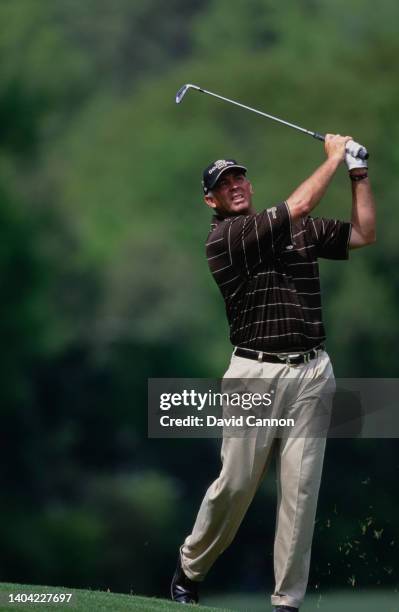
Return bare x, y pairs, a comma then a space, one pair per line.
306, 357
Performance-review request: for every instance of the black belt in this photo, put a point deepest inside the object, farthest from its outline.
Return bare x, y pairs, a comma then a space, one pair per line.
288, 358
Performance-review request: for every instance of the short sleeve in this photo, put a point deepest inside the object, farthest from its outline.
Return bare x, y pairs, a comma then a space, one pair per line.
253, 238
331, 237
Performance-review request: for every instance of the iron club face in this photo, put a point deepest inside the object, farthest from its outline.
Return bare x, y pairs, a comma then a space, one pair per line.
183, 90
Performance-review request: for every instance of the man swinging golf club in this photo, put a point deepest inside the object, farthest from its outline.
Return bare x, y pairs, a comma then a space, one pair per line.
265, 265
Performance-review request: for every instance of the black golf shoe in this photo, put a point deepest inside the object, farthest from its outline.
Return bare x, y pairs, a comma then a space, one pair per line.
183, 590
285, 609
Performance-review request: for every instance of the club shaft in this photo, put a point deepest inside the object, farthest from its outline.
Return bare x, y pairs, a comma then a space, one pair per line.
354, 148
258, 112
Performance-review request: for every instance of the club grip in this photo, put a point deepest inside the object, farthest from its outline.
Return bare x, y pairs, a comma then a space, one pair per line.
354, 148
318, 136
363, 153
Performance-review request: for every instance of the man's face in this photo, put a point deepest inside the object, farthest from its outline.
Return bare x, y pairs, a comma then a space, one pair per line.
232, 194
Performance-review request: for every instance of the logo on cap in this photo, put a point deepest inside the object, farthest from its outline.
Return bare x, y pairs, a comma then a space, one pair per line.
220, 164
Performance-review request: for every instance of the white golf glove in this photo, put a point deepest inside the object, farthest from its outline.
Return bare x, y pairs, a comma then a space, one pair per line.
351, 160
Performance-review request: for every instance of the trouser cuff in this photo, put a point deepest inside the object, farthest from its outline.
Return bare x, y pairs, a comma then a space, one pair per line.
192, 575
286, 600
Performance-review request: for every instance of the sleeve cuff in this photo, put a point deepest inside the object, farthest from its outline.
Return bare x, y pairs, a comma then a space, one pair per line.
289, 220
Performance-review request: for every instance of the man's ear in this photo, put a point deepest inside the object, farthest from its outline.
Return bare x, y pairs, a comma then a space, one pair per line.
210, 201
251, 189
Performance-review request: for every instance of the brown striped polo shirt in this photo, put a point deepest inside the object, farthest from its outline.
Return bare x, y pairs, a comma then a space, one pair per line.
265, 266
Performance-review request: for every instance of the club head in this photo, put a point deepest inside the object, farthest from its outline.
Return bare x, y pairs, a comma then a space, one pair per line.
183, 90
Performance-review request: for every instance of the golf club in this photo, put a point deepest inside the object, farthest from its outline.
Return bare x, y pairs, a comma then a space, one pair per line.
352, 147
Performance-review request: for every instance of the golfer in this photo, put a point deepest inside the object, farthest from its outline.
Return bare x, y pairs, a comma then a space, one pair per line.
265, 265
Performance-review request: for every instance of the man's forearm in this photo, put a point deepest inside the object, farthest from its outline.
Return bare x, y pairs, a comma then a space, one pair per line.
302, 201
363, 213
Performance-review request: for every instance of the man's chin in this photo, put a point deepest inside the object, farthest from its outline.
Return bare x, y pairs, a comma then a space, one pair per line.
239, 208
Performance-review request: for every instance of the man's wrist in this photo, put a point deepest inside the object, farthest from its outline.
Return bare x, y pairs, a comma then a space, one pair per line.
356, 171
359, 176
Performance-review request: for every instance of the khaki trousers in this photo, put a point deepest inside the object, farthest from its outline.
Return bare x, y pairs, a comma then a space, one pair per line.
244, 462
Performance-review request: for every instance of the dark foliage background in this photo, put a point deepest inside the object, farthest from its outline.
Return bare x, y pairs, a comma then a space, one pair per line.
104, 282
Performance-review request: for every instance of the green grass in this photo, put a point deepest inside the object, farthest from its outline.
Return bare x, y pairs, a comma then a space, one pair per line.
345, 601
96, 601
88, 601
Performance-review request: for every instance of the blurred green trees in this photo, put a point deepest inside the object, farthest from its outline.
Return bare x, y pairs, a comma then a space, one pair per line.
104, 280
